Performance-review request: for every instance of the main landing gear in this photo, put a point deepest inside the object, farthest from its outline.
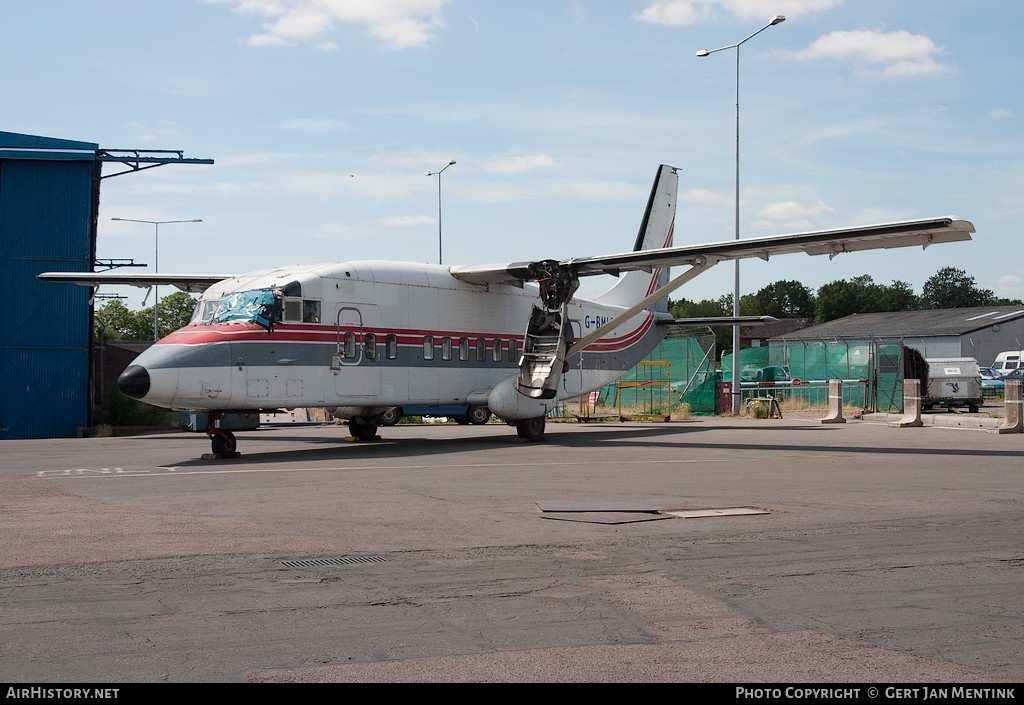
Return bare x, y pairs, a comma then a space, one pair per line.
531, 429
363, 428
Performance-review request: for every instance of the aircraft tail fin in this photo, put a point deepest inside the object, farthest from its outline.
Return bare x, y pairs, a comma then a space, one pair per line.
656, 232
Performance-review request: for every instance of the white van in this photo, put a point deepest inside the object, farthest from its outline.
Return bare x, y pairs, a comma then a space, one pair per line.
1007, 361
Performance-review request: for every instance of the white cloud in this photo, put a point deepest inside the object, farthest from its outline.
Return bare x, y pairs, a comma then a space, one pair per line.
791, 210
405, 221
398, 24
707, 198
898, 53
519, 165
682, 13
999, 113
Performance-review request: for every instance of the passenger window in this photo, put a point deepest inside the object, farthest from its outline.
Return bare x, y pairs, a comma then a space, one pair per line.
370, 346
392, 346
513, 350
463, 349
496, 349
349, 350
446, 348
428, 347
481, 349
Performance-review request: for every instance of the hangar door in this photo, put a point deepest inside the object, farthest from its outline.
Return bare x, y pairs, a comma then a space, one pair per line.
46, 224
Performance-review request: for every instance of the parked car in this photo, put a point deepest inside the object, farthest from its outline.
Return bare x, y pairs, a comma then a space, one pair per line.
1014, 374
992, 384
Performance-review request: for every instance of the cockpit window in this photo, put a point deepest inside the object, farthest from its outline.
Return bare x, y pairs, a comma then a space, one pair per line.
258, 306
204, 310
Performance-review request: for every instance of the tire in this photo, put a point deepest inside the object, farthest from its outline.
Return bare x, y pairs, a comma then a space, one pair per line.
362, 428
531, 429
479, 415
390, 417
224, 445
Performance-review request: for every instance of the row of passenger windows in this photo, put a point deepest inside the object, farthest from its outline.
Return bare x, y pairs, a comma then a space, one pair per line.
480, 349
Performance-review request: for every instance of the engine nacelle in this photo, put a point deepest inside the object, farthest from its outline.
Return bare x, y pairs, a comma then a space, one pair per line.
506, 402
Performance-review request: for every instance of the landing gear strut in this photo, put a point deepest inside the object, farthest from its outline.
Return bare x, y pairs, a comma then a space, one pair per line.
222, 442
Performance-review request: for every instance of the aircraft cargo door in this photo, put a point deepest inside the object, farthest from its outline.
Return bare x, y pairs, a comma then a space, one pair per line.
355, 359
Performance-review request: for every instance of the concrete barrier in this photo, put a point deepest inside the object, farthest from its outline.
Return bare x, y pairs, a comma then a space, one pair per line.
1014, 419
835, 402
911, 405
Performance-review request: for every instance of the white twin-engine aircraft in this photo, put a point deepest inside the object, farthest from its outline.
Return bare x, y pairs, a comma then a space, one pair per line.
363, 337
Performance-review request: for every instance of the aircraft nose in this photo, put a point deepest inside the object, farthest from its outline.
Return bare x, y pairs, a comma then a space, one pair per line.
134, 382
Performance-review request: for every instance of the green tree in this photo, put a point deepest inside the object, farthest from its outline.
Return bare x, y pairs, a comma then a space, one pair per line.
841, 298
953, 288
784, 299
175, 311
899, 296
116, 321
707, 308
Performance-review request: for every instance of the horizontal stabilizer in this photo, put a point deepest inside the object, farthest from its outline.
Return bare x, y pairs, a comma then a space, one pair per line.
720, 321
192, 283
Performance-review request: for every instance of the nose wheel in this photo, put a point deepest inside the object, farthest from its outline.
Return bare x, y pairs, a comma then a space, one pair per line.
222, 442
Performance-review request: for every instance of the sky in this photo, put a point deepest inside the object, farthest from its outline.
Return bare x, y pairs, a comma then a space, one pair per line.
324, 118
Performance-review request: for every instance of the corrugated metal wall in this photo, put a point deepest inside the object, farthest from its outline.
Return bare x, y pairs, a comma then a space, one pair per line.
47, 220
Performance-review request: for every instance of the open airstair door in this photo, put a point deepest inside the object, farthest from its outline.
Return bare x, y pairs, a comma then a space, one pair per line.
543, 360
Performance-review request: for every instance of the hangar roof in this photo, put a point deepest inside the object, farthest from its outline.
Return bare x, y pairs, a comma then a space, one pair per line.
898, 324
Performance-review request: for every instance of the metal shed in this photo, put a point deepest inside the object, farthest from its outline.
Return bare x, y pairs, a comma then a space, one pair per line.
49, 202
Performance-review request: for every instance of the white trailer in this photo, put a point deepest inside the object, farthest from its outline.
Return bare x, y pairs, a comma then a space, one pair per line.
953, 382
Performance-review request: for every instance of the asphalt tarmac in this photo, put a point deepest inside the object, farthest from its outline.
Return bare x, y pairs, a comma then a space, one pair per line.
703, 551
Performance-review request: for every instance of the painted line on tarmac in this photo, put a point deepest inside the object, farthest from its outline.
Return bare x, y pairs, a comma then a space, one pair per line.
177, 471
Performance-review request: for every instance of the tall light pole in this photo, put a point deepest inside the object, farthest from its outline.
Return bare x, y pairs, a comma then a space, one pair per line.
438, 175
736, 385
156, 262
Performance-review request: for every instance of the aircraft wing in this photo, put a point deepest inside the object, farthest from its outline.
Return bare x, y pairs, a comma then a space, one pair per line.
191, 283
823, 242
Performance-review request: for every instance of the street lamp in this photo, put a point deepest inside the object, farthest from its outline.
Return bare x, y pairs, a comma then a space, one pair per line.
438, 175
736, 386
156, 262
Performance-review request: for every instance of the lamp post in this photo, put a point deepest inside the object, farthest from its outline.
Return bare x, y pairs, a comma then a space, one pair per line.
736, 385
156, 262
438, 175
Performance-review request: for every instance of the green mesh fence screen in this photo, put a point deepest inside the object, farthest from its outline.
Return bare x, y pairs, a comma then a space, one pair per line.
682, 370
679, 370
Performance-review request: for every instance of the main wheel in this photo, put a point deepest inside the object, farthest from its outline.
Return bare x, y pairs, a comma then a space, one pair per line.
224, 445
390, 416
531, 429
362, 428
479, 415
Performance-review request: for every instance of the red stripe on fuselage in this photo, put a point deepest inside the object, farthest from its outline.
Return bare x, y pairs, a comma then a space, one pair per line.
207, 334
